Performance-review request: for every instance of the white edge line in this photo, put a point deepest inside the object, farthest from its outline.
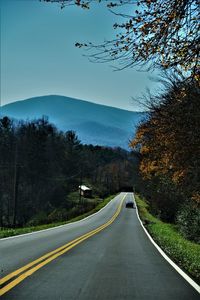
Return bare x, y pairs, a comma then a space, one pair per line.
55, 227
183, 274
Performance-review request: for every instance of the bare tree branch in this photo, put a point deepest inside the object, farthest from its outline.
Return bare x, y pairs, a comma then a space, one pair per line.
164, 34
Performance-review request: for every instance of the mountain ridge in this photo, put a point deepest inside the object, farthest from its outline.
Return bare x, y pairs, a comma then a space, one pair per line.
76, 99
93, 123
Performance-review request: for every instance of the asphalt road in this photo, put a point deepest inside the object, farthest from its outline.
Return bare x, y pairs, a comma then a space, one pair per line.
116, 263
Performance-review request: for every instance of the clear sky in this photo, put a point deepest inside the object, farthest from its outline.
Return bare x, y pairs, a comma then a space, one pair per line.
38, 56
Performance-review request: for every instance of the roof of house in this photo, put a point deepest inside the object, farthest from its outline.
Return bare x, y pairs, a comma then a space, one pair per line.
84, 188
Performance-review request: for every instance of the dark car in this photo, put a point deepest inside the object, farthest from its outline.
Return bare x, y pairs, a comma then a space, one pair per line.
130, 204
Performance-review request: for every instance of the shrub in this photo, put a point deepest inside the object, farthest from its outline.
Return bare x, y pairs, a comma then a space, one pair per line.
188, 221
38, 219
58, 214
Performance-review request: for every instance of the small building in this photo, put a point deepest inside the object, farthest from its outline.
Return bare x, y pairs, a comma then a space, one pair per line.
85, 191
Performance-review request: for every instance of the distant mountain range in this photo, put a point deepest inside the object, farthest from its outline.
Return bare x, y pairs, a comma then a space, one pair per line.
94, 123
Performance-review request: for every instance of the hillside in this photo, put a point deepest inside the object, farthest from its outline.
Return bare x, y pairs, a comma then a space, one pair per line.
94, 123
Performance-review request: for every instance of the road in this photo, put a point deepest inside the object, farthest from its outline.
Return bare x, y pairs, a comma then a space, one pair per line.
116, 261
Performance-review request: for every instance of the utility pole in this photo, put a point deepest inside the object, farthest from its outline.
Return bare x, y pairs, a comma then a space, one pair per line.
1, 207
4, 207
15, 186
80, 187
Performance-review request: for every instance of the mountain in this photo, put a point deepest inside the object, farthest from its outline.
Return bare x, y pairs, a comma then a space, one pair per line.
94, 123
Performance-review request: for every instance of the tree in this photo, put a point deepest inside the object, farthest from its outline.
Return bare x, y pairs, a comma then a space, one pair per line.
168, 142
169, 139
157, 34
8, 170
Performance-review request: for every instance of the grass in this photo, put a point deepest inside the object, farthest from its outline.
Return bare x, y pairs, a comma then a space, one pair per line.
6, 232
184, 252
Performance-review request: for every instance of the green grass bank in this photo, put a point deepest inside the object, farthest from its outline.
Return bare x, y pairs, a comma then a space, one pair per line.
184, 252
6, 232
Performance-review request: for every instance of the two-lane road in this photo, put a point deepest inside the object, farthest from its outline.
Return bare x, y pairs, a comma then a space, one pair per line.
115, 260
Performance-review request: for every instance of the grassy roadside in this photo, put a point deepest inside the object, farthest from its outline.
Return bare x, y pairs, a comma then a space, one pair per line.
184, 252
16, 231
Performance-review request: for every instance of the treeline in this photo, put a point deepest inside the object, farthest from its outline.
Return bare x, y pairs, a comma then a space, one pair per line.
169, 145
42, 167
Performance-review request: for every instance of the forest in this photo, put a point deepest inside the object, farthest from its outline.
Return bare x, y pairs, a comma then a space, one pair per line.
41, 169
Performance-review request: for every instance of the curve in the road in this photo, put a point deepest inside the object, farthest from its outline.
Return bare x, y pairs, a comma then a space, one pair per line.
14, 278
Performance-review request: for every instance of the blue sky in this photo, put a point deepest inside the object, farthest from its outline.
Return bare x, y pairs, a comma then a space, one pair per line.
38, 56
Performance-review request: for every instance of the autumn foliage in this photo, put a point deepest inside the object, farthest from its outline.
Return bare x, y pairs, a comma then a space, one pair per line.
169, 144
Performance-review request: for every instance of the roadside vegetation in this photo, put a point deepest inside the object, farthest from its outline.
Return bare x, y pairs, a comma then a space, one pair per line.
98, 204
182, 251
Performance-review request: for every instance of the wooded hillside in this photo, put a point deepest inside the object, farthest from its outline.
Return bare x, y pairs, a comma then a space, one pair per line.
41, 169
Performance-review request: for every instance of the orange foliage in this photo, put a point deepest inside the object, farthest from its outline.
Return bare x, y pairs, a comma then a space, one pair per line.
196, 197
169, 140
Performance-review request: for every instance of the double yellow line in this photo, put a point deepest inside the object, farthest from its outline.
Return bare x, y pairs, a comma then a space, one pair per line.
14, 278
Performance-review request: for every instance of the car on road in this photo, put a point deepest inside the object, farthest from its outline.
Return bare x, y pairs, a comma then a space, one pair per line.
130, 204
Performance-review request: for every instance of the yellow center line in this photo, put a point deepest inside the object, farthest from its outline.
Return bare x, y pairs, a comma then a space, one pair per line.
18, 271
47, 258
